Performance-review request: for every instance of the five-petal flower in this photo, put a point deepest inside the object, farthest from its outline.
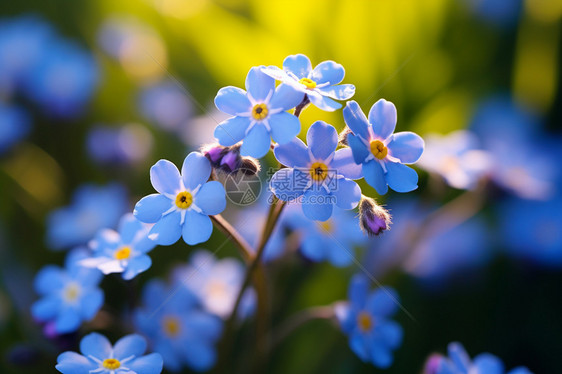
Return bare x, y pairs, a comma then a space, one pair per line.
322, 175
320, 84
260, 113
184, 201
382, 153
100, 357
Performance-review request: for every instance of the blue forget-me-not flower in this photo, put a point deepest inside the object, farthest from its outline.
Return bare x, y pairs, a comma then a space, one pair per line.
124, 251
260, 113
100, 357
184, 202
366, 321
318, 173
15, 124
382, 153
177, 328
320, 84
69, 295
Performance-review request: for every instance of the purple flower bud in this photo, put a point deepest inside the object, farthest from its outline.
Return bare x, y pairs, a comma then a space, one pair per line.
373, 218
433, 363
213, 153
230, 161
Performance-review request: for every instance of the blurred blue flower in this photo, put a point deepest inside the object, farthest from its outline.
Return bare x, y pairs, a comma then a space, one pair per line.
320, 85
531, 229
382, 153
63, 80
99, 356
259, 113
69, 295
504, 126
118, 145
183, 334
366, 320
456, 158
92, 209
23, 40
318, 173
332, 240
165, 105
15, 124
184, 202
216, 283
124, 251
459, 362
497, 12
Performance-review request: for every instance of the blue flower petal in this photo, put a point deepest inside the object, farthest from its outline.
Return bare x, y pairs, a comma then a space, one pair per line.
317, 204
46, 308
391, 332
382, 117
48, 279
338, 254
401, 178
328, 72
298, 64
358, 346
196, 170
288, 184
233, 100
347, 193
172, 361
129, 345
165, 177
285, 98
322, 140
205, 325
520, 370
199, 357
95, 345
383, 302
292, 154
340, 92
358, 291
345, 165
284, 127
374, 175
149, 364
67, 321
406, 146
91, 303
487, 363
129, 227
258, 84
167, 231
150, 208
458, 355
359, 149
136, 266
381, 355
232, 130
313, 247
211, 198
74, 363
356, 120
323, 102
257, 142
197, 228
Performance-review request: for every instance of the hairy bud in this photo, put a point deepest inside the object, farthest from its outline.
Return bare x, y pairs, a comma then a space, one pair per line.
373, 218
342, 137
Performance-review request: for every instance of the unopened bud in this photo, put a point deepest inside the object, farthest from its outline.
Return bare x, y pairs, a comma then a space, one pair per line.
373, 218
250, 166
342, 137
229, 160
433, 363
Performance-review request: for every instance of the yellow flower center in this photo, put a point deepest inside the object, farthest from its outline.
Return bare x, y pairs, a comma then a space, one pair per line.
365, 321
111, 364
171, 326
259, 111
71, 292
318, 171
378, 149
184, 200
122, 253
308, 83
326, 225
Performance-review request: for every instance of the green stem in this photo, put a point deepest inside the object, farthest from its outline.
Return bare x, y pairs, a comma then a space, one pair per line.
232, 234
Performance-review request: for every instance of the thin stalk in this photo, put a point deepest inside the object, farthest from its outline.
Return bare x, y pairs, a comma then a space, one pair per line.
234, 235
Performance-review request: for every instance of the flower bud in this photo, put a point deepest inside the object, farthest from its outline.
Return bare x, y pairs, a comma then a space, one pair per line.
433, 363
342, 137
250, 166
229, 160
373, 218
